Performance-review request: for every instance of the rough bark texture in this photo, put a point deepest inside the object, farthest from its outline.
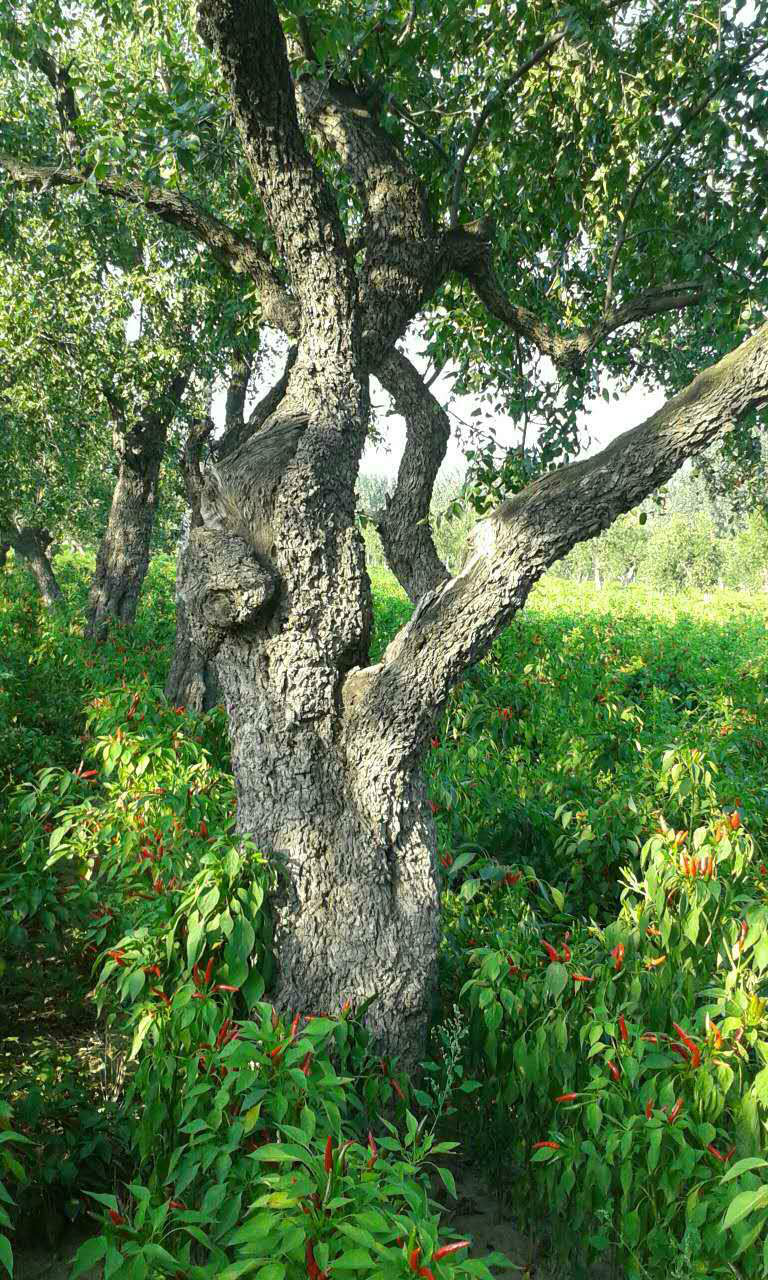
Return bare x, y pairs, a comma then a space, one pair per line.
192, 678
326, 749
123, 558
403, 525
31, 544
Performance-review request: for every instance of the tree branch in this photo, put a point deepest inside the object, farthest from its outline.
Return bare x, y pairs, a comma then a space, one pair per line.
513, 547
402, 259
491, 103
403, 525
236, 250
58, 77
239, 432
248, 39
568, 351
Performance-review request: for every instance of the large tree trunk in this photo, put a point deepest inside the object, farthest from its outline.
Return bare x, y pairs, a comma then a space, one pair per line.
123, 557
31, 545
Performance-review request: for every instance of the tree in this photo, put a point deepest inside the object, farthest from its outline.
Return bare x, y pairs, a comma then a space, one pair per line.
372, 144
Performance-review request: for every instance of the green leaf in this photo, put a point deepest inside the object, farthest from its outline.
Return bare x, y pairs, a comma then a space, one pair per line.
744, 1203
6, 1254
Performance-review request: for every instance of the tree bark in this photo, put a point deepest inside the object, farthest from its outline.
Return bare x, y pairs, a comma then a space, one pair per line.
4, 549
403, 525
123, 557
30, 544
192, 679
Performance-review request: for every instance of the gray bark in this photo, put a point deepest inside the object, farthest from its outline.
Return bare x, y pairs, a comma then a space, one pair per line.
326, 750
192, 679
31, 544
123, 557
403, 525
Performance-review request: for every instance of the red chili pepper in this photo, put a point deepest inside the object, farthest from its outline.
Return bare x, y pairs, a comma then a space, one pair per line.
675, 1112
614, 1070
117, 956
397, 1089
623, 1028
512, 877
306, 1064
153, 968
89, 773
446, 859
295, 1024
203, 829
734, 821
435, 743
566, 950
426, 1273
689, 1044
208, 971
550, 950
156, 992
117, 1218
222, 1032
650, 1037
224, 986
580, 977
446, 1250
679, 1050
729, 1153
277, 1053
312, 1268
538, 1145
714, 1152
649, 1109
414, 1257
176, 1204
566, 1097
618, 956
328, 1157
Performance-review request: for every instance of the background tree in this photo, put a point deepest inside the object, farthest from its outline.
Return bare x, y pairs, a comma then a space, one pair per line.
373, 151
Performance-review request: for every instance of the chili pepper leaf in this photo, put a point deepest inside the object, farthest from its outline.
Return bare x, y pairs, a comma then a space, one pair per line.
744, 1166
556, 979
6, 1254
744, 1203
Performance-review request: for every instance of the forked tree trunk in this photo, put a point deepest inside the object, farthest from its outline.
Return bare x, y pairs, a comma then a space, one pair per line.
123, 558
31, 545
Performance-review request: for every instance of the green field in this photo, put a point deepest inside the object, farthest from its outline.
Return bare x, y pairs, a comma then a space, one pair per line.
601, 1045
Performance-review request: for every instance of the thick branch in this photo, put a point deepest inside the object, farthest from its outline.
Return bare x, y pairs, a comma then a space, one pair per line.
249, 41
403, 262
454, 626
238, 252
566, 350
403, 525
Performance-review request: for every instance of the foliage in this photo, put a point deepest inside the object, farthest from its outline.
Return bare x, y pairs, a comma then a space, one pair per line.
602, 888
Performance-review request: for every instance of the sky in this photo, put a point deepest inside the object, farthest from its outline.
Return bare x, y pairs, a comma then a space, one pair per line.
601, 421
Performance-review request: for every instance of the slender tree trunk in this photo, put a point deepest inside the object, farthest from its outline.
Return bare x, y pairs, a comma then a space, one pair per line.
192, 679
30, 544
123, 557
4, 549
